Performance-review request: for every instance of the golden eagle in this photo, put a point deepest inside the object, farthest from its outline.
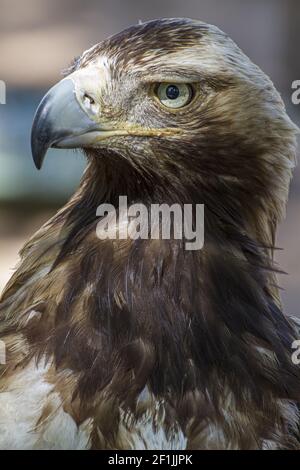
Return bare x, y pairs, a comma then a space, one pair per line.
140, 343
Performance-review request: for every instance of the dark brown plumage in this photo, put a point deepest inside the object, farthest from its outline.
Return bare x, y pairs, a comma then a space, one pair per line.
142, 343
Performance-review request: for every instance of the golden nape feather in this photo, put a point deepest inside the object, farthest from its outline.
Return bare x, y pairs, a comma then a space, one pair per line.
123, 343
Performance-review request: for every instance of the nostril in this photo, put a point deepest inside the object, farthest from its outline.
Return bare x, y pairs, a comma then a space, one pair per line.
88, 99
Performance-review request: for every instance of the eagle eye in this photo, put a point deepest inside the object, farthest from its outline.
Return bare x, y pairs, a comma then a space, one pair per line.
174, 95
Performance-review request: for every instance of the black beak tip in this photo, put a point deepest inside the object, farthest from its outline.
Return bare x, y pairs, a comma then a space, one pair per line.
38, 151
38, 165
40, 136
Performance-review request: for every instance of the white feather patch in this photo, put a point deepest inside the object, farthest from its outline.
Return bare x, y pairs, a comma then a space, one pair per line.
21, 406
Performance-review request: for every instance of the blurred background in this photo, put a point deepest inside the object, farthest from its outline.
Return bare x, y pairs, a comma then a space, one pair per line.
39, 38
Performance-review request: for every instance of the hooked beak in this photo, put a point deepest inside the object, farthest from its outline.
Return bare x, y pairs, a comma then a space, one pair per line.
61, 122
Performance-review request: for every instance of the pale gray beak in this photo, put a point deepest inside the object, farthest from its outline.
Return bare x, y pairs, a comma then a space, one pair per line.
60, 122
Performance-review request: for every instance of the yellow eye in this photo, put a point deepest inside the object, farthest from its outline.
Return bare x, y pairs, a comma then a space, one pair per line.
174, 95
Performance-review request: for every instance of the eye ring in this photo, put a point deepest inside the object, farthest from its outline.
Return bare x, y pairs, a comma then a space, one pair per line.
174, 95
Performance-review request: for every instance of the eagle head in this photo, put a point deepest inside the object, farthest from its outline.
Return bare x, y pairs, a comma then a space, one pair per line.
173, 110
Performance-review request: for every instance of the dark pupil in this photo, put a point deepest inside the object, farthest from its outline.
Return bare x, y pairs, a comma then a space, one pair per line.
172, 92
